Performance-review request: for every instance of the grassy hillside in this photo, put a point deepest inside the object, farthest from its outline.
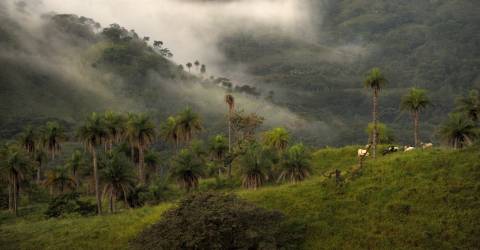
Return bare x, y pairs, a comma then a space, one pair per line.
422, 199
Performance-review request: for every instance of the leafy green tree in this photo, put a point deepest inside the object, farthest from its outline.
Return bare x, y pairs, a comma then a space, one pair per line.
384, 133
140, 133
92, 133
59, 178
277, 138
459, 131
187, 169
414, 102
53, 135
15, 165
118, 177
376, 81
170, 131
189, 123
115, 125
218, 148
254, 164
296, 164
470, 105
75, 163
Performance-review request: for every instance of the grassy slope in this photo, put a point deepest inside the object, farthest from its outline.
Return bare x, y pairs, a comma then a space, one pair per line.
427, 199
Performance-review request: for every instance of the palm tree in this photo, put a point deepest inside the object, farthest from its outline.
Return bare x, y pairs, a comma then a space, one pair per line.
218, 149
140, 133
414, 102
75, 163
189, 66
296, 164
152, 161
118, 177
459, 131
15, 164
189, 123
203, 69
187, 169
170, 131
116, 126
28, 140
53, 135
230, 101
61, 179
277, 139
254, 164
92, 134
197, 63
470, 105
39, 159
376, 81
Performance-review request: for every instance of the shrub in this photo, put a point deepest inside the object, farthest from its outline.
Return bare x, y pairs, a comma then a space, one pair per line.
218, 221
68, 204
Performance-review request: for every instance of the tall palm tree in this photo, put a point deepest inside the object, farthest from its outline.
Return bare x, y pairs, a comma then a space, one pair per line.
277, 139
92, 134
470, 105
60, 178
296, 164
40, 158
116, 127
254, 164
189, 66
140, 133
170, 131
75, 163
414, 102
118, 177
376, 81
52, 136
218, 149
230, 101
203, 69
152, 161
459, 131
196, 63
189, 123
28, 139
15, 164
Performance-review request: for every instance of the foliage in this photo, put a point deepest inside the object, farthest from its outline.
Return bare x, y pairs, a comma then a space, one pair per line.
69, 203
254, 165
218, 221
296, 164
187, 169
458, 131
415, 100
277, 138
385, 134
60, 179
470, 105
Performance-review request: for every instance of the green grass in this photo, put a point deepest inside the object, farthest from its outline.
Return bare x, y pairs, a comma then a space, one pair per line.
416, 200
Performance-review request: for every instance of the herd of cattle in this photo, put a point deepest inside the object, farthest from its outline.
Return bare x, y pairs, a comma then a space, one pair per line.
363, 152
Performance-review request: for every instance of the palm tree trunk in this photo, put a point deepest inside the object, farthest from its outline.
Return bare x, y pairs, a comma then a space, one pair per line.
111, 200
229, 141
39, 173
375, 132
15, 195
95, 176
10, 194
140, 164
415, 127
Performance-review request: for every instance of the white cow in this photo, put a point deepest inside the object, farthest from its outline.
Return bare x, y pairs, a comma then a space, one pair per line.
427, 145
408, 148
362, 152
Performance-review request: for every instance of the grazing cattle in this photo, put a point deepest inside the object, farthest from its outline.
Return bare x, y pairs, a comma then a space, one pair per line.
408, 148
390, 149
427, 145
362, 152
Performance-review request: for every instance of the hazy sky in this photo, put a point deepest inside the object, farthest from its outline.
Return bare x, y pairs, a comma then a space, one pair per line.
190, 28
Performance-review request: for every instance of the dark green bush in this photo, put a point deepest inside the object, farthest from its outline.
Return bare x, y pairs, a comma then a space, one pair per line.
68, 204
218, 221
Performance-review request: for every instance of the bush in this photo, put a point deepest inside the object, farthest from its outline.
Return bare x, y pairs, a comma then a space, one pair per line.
69, 204
218, 221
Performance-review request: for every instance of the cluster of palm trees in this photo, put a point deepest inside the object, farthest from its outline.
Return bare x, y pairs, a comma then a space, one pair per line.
461, 128
200, 68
